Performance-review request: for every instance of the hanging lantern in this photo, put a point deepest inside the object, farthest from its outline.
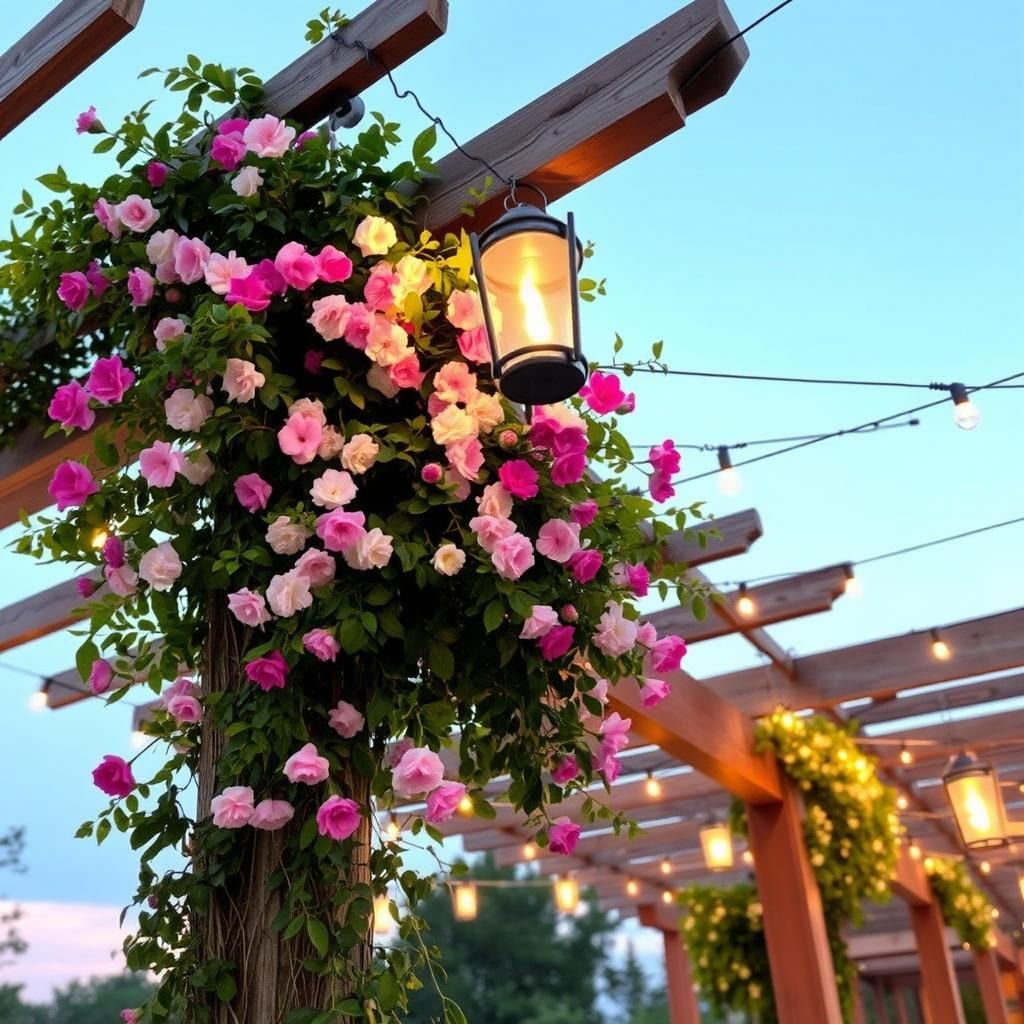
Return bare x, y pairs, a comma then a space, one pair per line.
972, 788
716, 842
464, 902
567, 894
526, 266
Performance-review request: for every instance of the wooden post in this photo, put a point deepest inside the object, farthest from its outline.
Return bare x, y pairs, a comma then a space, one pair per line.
938, 981
899, 997
986, 967
881, 1010
803, 977
859, 1016
1013, 994
682, 1000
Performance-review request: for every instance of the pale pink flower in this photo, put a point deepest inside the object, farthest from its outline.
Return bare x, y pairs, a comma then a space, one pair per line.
309, 407
185, 708
335, 488
490, 530
288, 593
191, 256
197, 468
300, 437
248, 607
413, 275
321, 644
270, 815
140, 286
375, 236
160, 566
444, 801
167, 328
247, 182
566, 770
187, 411
454, 382
464, 310
307, 766
123, 581
653, 692
160, 464
387, 344
373, 550
486, 410
448, 559
360, 453
268, 136
543, 618
495, 501
361, 319
558, 540
136, 214
474, 345
160, 247
466, 457
406, 373
252, 492
647, 635
241, 380
378, 379
286, 537
332, 441
419, 771
512, 556
331, 316
452, 424
316, 567
615, 635
615, 732
221, 269
233, 808
381, 290
106, 214
345, 720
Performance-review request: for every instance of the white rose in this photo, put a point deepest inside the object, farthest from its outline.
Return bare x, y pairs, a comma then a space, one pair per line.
375, 236
486, 411
197, 468
413, 275
332, 441
360, 453
247, 182
241, 379
309, 407
288, 593
160, 247
185, 410
334, 489
286, 537
372, 551
160, 567
448, 559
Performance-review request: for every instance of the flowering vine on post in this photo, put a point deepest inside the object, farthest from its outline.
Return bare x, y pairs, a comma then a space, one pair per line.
326, 541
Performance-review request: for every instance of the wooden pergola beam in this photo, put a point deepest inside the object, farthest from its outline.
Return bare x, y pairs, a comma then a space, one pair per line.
736, 533
946, 699
614, 109
57, 50
56, 608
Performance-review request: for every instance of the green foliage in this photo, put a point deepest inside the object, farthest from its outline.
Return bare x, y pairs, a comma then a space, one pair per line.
964, 906
12, 850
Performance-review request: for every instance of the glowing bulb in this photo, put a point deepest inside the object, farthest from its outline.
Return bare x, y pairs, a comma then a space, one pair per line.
138, 739
98, 538
529, 851
665, 867
394, 830
787, 721
382, 919
745, 604
965, 413
1020, 883
652, 787
37, 701
748, 857
729, 481
567, 894
902, 802
632, 887
466, 805
929, 865
464, 899
853, 587
535, 317
984, 867
940, 649
915, 851
667, 897
716, 845
995, 914
906, 757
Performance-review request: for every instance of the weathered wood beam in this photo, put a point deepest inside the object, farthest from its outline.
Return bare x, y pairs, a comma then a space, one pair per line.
881, 668
58, 49
736, 534
41, 614
940, 701
611, 111
988, 972
938, 979
699, 728
909, 882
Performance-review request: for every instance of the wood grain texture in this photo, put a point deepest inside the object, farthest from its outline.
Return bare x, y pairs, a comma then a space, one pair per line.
988, 971
735, 535
58, 49
938, 980
607, 113
41, 614
946, 699
682, 1000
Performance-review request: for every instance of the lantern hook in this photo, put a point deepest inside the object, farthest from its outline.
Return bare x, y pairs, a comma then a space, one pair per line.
512, 199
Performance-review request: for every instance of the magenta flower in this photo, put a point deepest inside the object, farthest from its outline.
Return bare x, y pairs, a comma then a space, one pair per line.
667, 654
72, 485
248, 291
638, 579
443, 802
603, 392
321, 644
566, 770
107, 217
87, 121
101, 674
109, 379
87, 586
584, 513
271, 277
70, 407
563, 836
654, 691
338, 817
431, 473
252, 492
98, 281
519, 478
269, 672
332, 265
556, 642
586, 564
228, 149
114, 776
113, 552
296, 265
156, 173
73, 290
569, 468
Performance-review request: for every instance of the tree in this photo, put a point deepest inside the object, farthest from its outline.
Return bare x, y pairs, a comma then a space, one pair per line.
12, 849
519, 962
640, 1001
99, 1000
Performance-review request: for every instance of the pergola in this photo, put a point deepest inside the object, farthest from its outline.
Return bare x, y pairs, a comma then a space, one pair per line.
699, 741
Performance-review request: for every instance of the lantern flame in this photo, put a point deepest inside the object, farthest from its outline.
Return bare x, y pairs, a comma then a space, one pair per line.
535, 317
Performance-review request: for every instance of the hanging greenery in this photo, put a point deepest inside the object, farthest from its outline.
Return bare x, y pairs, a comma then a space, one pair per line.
851, 832
964, 907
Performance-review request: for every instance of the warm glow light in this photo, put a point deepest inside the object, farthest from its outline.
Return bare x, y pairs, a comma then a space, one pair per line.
667, 897
915, 851
652, 787
940, 649
567, 894
466, 805
1020, 883
730, 482
965, 413
906, 756
99, 538
382, 919
748, 857
632, 887
464, 901
972, 789
529, 851
138, 739
985, 868
394, 830
37, 701
995, 914
745, 604
535, 317
665, 867
854, 588
716, 842
902, 802
929, 864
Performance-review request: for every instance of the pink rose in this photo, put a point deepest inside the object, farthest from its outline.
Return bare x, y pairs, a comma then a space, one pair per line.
270, 815
316, 567
406, 373
221, 269
98, 281
288, 593
72, 485
242, 380
186, 411
454, 382
638, 579
566, 770
334, 488
603, 392
331, 316
563, 836
466, 457
431, 473
359, 453
233, 808
474, 345
160, 464
490, 530
615, 732
443, 802
615, 634
286, 537
114, 776
140, 286
340, 530
101, 675
647, 635
191, 256
268, 136
252, 492
87, 121
73, 290
113, 552
653, 692
248, 607
296, 265
70, 407
332, 265
346, 721
228, 149
300, 437
373, 550
123, 582
360, 322
247, 182
107, 217
584, 513
132, 1016
667, 653
338, 817
556, 642
419, 771
268, 672
586, 564
249, 291
519, 478
137, 214
109, 379
558, 540
156, 173
271, 277
160, 567
307, 766
160, 247
512, 556
307, 136
568, 613
321, 645
185, 709
494, 500
541, 621
464, 311
568, 469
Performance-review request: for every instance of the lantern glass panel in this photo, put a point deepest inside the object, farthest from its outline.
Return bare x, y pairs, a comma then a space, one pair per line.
716, 843
978, 808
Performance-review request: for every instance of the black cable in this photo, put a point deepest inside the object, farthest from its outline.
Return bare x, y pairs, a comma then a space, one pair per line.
839, 433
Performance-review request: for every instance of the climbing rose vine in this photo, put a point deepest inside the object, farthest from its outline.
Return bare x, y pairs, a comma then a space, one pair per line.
352, 572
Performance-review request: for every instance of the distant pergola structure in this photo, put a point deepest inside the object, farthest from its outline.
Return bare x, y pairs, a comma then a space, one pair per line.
699, 740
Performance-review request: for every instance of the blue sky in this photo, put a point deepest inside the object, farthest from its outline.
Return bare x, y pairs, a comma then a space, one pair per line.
854, 207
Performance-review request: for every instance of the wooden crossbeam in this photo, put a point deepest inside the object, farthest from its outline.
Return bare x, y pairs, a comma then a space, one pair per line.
881, 668
942, 700
58, 49
611, 111
39, 615
736, 533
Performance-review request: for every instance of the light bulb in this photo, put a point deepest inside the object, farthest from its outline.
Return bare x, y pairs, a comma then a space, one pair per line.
995, 914
529, 851
915, 851
965, 413
382, 919
667, 897
748, 857
929, 864
465, 902
567, 894
665, 867
906, 756
941, 651
985, 868
902, 802
745, 604
729, 481
37, 701
394, 829
466, 805
632, 887
853, 586
98, 538
652, 787
138, 739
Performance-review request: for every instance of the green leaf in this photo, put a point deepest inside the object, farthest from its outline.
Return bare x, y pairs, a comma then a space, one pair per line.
700, 608
389, 992
422, 145
352, 635
317, 932
493, 615
441, 660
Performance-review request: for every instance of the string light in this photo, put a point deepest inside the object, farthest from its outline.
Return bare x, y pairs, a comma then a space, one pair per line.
906, 756
667, 897
985, 868
729, 481
915, 851
995, 914
394, 830
466, 805
665, 867
632, 887
37, 701
940, 649
745, 604
902, 802
382, 919
853, 586
929, 864
98, 538
652, 787
965, 412
530, 851
567, 894
464, 901
748, 858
